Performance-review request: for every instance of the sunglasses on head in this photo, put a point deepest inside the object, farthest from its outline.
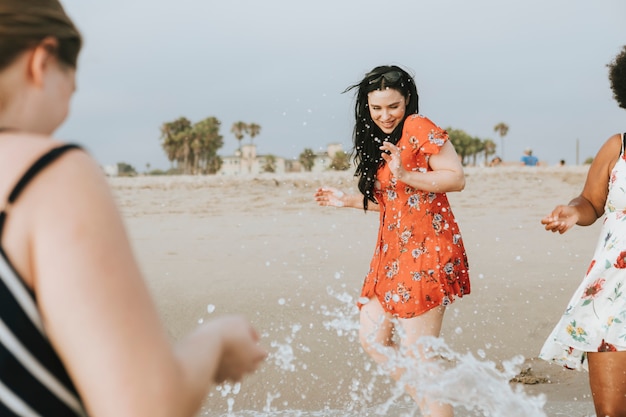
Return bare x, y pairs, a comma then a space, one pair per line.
390, 76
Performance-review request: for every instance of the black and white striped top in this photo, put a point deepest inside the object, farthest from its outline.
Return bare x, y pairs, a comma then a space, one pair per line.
33, 380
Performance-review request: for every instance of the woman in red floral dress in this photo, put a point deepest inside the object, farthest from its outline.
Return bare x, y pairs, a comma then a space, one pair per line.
405, 165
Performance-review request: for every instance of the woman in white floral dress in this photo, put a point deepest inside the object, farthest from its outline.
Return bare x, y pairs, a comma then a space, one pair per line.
591, 334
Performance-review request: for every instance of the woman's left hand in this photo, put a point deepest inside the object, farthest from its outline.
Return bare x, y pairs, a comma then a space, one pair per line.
393, 159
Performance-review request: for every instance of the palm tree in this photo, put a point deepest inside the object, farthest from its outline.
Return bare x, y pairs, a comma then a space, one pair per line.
340, 162
253, 130
476, 146
239, 129
172, 137
209, 142
193, 147
307, 159
270, 164
502, 129
462, 143
489, 149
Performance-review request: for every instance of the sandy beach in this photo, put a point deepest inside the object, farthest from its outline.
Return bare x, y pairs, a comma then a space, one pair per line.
260, 246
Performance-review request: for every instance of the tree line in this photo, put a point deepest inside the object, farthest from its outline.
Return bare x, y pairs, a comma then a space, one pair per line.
471, 148
192, 148
240, 129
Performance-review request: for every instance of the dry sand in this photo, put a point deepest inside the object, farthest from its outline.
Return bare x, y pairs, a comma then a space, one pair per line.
262, 247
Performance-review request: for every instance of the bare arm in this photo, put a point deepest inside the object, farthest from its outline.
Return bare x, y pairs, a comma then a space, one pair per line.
446, 175
97, 309
586, 208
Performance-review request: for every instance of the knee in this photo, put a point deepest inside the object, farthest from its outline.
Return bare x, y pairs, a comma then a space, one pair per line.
371, 345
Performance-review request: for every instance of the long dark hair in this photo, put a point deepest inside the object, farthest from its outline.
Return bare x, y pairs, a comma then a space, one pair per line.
367, 136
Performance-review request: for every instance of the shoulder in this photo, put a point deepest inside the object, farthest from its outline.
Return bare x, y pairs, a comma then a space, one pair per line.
423, 134
18, 152
604, 161
419, 121
18, 149
63, 174
54, 197
599, 174
611, 149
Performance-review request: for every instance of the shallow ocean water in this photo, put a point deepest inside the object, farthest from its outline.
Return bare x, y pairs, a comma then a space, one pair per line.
472, 383
553, 409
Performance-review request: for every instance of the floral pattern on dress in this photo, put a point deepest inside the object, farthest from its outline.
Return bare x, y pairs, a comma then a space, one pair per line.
595, 317
419, 261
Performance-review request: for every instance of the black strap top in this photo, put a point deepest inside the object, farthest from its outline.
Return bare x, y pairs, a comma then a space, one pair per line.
33, 380
41, 163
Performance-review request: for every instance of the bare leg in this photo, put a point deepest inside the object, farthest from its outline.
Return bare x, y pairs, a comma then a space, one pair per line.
427, 324
376, 329
607, 378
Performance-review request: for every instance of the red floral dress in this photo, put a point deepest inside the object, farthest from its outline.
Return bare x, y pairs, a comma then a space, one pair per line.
595, 318
419, 261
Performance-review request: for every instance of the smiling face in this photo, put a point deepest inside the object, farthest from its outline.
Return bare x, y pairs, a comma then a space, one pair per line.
387, 108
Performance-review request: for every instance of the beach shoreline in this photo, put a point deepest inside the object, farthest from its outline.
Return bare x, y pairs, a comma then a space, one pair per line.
260, 246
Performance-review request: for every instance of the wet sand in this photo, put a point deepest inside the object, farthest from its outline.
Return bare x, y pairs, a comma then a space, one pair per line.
260, 246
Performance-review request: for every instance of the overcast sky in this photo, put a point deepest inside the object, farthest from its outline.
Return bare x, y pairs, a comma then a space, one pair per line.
537, 65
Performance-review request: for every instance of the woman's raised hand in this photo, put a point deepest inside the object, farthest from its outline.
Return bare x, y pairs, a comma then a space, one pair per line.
393, 159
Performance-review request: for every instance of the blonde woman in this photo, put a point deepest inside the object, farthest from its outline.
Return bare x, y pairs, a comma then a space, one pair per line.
79, 334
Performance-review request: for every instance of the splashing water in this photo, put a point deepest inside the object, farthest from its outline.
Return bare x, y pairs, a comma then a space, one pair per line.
284, 355
465, 381
459, 380
473, 385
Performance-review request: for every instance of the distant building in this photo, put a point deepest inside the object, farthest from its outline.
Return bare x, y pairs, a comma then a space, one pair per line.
324, 159
111, 170
293, 165
246, 161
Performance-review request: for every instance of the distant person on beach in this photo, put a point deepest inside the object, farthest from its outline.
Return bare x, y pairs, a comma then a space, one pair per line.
79, 333
591, 332
495, 161
528, 159
405, 166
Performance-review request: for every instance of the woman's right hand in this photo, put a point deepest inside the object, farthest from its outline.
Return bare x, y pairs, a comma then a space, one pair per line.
241, 353
329, 196
561, 219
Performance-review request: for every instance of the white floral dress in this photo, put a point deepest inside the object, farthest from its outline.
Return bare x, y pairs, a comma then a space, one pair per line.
595, 318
